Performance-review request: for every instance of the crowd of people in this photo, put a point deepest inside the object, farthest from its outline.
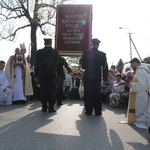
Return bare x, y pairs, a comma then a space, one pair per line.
116, 91
52, 81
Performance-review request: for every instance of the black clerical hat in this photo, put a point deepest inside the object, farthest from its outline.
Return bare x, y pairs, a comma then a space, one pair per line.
95, 41
47, 41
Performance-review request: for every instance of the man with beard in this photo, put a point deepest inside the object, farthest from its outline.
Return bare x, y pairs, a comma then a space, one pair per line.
139, 97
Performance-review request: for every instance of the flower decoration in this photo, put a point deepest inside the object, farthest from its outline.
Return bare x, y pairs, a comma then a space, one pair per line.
114, 100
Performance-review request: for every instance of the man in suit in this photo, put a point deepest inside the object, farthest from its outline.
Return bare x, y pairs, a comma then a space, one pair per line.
94, 62
45, 71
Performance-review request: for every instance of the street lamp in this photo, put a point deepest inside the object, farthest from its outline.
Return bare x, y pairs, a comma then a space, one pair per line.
129, 41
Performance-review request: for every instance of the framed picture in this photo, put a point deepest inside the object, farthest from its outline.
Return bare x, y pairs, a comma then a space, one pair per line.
19, 59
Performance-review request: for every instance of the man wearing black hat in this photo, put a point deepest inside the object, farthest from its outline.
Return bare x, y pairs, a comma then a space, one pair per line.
94, 62
45, 71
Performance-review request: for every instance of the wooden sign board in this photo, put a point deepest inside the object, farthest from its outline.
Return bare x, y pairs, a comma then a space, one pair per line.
73, 29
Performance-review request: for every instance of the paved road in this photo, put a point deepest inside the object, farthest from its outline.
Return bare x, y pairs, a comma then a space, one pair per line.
25, 127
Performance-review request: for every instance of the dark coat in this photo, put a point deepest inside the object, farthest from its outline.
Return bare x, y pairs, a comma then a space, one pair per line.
46, 62
94, 62
77, 82
60, 65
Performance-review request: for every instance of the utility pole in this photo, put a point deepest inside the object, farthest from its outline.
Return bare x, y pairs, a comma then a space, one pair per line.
130, 45
130, 41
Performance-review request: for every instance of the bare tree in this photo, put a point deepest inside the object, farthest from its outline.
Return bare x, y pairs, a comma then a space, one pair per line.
16, 15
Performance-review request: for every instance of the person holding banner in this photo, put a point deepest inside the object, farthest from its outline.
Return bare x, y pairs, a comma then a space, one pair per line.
18, 76
139, 97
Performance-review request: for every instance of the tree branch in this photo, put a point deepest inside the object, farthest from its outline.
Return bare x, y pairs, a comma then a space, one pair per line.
11, 36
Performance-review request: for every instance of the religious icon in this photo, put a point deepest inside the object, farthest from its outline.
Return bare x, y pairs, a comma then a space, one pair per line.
19, 59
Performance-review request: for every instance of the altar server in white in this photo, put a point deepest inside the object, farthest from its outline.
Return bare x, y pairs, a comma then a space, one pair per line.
5, 89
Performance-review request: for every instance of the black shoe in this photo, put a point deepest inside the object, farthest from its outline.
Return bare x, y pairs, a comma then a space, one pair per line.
44, 110
89, 114
52, 110
99, 114
59, 104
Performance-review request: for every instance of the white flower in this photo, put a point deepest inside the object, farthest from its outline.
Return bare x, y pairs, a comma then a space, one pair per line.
114, 100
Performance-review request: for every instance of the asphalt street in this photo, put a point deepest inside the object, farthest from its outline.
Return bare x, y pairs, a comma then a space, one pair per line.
25, 127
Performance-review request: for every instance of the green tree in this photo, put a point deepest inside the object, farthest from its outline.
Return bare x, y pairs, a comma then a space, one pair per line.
16, 15
120, 65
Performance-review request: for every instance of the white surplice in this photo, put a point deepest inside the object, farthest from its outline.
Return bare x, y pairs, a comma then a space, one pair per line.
5, 91
142, 104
